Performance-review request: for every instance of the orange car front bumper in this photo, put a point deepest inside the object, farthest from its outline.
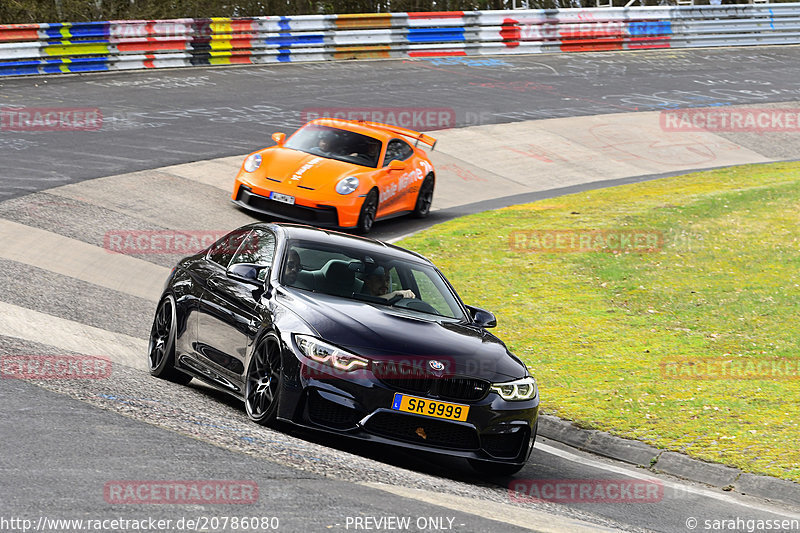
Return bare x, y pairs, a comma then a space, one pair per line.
343, 214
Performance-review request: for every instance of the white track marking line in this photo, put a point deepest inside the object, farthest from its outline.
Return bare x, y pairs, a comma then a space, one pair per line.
679, 488
79, 260
507, 514
33, 326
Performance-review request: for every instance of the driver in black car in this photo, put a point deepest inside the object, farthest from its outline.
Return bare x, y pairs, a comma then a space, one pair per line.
291, 268
377, 281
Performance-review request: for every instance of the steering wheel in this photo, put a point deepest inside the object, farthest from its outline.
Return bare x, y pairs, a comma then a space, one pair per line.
394, 299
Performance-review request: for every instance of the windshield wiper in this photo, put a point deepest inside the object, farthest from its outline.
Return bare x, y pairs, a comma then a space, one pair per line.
378, 299
370, 298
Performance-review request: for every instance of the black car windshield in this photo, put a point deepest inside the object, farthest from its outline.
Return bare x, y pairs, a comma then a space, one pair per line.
369, 277
335, 143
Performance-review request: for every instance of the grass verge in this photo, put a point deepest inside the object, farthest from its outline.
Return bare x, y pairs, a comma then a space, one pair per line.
689, 346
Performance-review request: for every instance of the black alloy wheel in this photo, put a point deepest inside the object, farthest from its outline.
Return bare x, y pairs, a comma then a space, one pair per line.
368, 211
264, 382
424, 198
161, 348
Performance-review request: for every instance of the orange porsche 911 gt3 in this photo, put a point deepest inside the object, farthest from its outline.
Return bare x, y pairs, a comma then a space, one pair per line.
339, 173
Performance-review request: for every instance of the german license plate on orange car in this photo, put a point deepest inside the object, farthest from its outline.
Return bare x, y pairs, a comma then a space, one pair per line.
424, 406
284, 198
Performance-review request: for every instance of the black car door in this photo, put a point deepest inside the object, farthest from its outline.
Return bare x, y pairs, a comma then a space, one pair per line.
229, 315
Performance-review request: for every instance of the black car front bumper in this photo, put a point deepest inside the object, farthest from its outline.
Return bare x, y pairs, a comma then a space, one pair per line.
496, 430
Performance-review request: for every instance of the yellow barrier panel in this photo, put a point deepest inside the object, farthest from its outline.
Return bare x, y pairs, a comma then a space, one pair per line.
76, 49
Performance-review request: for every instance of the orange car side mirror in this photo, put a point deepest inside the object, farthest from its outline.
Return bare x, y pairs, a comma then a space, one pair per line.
279, 138
394, 164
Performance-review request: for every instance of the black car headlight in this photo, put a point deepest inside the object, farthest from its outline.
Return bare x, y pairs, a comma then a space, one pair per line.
322, 352
520, 389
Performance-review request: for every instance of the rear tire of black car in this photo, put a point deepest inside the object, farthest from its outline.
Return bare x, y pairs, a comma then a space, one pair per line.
264, 381
368, 211
425, 197
161, 347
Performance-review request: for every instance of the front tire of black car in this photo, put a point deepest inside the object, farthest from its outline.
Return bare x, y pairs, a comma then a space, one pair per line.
161, 348
369, 209
425, 197
264, 381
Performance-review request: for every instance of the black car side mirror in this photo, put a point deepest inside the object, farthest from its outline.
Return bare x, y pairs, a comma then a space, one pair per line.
249, 273
482, 317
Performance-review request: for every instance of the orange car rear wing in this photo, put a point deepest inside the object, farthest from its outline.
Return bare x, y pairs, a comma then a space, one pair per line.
417, 136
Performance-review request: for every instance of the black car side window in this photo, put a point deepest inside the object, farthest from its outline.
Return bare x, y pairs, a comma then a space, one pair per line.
259, 249
224, 249
397, 149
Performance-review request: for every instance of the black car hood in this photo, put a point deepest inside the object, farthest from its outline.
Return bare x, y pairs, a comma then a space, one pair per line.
386, 333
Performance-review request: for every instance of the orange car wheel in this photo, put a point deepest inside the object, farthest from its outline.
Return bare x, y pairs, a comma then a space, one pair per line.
424, 197
368, 210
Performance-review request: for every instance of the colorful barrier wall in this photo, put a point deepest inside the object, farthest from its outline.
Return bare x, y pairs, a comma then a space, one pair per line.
141, 44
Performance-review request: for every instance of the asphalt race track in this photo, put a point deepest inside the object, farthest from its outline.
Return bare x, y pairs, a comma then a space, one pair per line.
64, 442
153, 119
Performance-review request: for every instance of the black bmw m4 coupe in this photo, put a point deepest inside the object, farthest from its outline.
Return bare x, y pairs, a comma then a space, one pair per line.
346, 335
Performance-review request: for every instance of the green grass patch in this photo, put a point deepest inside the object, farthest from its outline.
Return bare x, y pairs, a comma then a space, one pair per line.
597, 327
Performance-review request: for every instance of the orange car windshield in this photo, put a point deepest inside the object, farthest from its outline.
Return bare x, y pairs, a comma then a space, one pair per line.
335, 143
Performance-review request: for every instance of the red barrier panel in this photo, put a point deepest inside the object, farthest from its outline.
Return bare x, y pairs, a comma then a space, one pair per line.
19, 32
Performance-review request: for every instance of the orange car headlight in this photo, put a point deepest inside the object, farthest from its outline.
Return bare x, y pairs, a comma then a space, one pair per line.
347, 185
252, 162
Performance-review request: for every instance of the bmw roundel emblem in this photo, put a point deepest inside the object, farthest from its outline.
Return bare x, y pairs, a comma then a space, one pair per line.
437, 366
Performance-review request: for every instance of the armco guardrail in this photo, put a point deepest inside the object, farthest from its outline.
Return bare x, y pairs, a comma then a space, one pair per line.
137, 44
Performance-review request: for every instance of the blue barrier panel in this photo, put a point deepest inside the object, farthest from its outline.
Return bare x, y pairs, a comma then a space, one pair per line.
19, 68
77, 29
429, 35
288, 39
90, 29
81, 64
650, 28
89, 64
285, 23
